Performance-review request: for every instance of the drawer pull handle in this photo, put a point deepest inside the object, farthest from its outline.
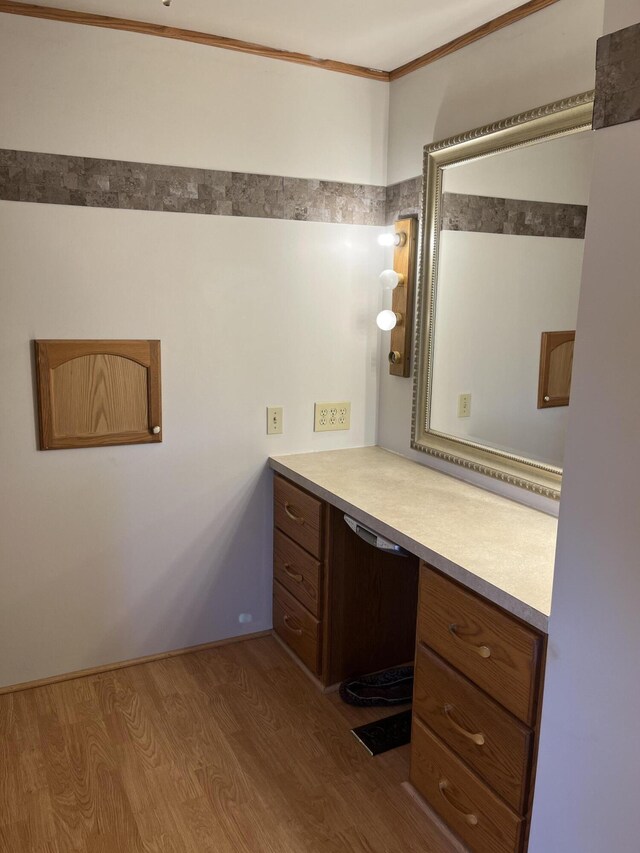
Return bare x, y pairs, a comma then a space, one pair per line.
471, 819
295, 576
297, 631
483, 651
288, 509
478, 738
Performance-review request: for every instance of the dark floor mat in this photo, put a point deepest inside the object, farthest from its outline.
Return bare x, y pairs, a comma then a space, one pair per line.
385, 734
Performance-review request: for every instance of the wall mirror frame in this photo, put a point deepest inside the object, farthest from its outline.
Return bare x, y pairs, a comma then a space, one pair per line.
571, 115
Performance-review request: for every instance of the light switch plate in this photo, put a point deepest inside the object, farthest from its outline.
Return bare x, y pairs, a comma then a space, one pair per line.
332, 416
274, 420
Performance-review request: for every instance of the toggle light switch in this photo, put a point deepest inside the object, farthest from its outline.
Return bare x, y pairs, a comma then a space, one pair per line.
274, 420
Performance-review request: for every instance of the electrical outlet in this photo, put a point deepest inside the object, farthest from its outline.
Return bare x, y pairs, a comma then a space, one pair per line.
330, 416
274, 420
464, 406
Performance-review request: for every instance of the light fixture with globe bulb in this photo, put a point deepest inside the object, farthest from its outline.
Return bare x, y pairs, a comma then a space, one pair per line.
397, 239
391, 279
398, 320
387, 320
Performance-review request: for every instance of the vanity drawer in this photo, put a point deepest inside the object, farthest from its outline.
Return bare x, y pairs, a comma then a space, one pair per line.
296, 627
465, 803
297, 571
489, 739
299, 515
491, 648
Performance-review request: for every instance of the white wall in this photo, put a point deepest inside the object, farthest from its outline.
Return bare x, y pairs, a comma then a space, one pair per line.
620, 14
67, 89
545, 57
588, 769
113, 553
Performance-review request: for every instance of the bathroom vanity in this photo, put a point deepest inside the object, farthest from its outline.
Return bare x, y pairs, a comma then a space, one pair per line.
469, 603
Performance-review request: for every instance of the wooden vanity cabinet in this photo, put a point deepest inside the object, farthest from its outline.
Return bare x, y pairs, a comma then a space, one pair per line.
298, 571
345, 608
340, 605
477, 700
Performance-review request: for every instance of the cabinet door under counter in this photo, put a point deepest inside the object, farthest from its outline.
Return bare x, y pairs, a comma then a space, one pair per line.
477, 700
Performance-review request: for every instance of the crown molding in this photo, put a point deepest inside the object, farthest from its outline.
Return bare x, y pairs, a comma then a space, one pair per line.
465, 40
145, 28
88, 19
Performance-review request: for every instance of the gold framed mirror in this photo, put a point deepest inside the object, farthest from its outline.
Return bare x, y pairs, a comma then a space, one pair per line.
504, 211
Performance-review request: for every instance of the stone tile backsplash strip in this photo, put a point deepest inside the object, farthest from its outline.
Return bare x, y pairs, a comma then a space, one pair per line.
91, 182
404, 199
617, 97
521, 217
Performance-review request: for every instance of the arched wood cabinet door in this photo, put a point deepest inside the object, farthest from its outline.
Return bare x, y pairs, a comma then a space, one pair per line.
98, 393
556, 365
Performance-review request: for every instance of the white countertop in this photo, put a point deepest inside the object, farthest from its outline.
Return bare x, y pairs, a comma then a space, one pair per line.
499, 548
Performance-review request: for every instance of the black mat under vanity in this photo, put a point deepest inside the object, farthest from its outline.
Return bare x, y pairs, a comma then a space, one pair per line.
385, 734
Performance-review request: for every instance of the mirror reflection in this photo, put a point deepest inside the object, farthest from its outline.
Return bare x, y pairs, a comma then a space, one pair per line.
505, 209
510, 256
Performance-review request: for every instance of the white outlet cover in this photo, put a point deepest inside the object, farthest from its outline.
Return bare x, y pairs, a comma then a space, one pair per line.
332, 416
464, 406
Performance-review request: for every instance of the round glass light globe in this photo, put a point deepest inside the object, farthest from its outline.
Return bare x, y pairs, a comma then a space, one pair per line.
390, 279
387, 239
386, 320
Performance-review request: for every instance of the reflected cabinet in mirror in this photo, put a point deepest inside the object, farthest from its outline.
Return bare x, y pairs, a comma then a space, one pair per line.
504, 215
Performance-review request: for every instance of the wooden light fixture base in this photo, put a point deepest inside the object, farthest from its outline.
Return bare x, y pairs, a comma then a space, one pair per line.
404, 263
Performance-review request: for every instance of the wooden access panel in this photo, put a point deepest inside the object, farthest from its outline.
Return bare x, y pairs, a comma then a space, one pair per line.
95, 393
556, 365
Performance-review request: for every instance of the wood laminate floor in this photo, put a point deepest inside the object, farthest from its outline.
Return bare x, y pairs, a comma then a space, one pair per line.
231, 750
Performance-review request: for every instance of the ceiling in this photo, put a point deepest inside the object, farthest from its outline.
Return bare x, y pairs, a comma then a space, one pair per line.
382, 34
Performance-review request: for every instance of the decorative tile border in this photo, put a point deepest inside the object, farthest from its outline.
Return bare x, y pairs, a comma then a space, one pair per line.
461, 212
617, 78
331, 201
91, 182
404, 199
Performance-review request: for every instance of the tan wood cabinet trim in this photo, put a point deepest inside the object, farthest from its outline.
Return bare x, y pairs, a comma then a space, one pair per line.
468, 806
60, 350
490, 647
489, 739
299, 515
297, 571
